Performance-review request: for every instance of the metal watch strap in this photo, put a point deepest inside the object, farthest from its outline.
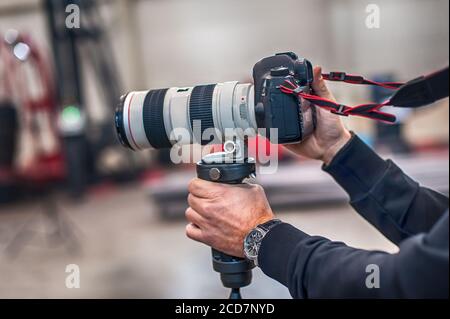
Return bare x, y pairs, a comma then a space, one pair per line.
270, 224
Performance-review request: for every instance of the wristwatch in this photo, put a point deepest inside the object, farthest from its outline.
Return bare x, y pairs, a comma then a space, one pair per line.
253, 240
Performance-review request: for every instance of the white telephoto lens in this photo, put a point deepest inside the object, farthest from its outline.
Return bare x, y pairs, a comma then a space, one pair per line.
153, 119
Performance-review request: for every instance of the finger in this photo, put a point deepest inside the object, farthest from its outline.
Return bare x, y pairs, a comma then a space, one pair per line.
201, 206
319, 85
194, 233
195, 202
204, 189
195, 218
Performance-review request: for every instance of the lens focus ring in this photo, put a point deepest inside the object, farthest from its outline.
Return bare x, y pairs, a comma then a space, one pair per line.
153, 118
200, 109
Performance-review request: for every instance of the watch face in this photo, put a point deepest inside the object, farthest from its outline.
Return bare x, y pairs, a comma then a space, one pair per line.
252, 243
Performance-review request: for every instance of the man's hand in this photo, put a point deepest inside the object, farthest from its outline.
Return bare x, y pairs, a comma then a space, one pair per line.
221, 215
330, 135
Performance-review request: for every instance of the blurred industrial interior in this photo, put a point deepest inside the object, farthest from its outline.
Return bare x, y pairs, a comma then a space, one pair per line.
70, 194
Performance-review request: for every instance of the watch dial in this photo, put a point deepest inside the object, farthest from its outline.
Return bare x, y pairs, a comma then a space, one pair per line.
252, 243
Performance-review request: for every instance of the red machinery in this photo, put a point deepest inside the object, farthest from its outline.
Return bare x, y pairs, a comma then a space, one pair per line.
28, 83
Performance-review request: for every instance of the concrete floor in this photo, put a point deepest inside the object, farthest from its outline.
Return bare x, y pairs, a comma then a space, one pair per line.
125, 251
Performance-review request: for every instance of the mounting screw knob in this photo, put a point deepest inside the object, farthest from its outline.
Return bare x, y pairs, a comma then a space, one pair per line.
215, 174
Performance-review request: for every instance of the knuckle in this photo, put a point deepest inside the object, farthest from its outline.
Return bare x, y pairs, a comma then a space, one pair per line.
190, 199
212, 193
192, 185
217, 190
188, 212
188, 231
323, 87
207, 208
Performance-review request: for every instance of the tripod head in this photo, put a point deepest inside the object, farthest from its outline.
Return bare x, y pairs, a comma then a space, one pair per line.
232, 166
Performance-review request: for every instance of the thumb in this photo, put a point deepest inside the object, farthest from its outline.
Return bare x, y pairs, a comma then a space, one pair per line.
319, 85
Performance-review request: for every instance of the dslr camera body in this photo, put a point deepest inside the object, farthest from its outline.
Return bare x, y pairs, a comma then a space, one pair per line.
275, 109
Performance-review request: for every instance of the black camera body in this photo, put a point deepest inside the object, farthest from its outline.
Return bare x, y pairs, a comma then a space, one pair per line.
273, 108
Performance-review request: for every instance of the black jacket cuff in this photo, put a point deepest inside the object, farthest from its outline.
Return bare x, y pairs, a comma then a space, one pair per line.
276, 249
356, 168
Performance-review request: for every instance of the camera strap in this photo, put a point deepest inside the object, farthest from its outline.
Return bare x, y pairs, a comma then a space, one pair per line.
416, 93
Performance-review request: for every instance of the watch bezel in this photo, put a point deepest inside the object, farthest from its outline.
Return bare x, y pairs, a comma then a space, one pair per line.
247, 244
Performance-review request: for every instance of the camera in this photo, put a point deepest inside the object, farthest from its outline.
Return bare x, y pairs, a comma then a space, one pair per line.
293, 119
149, 119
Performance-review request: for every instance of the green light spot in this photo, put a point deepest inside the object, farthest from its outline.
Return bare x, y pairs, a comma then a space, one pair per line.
71, 114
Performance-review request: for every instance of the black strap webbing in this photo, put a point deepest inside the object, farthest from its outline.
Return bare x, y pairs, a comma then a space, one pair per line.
422, 91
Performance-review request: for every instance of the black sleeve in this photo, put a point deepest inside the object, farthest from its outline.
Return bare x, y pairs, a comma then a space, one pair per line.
386, 197
314, 267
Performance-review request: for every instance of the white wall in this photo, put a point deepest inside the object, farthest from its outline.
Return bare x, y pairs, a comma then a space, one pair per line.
187, 42
413, 37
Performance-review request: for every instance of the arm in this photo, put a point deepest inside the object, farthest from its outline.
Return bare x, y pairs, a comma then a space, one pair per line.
378, 189
386, 197
314, 267
222, 215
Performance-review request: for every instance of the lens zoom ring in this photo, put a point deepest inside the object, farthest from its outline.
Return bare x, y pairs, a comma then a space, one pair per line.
153, 117
200, 108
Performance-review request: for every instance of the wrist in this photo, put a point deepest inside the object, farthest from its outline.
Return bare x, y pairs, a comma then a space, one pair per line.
253, 241
263, 220
257, 222
338, 144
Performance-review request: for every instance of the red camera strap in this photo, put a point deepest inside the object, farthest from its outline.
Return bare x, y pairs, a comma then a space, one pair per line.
357, 79
415, 93
369, 110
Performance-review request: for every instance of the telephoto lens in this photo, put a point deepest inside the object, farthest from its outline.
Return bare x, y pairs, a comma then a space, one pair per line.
211, 114
158, 119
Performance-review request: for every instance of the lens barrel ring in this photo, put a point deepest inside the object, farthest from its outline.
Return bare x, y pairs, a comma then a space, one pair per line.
153, 117
200, 109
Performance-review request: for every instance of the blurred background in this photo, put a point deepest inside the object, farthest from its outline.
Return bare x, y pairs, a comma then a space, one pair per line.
69, 194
